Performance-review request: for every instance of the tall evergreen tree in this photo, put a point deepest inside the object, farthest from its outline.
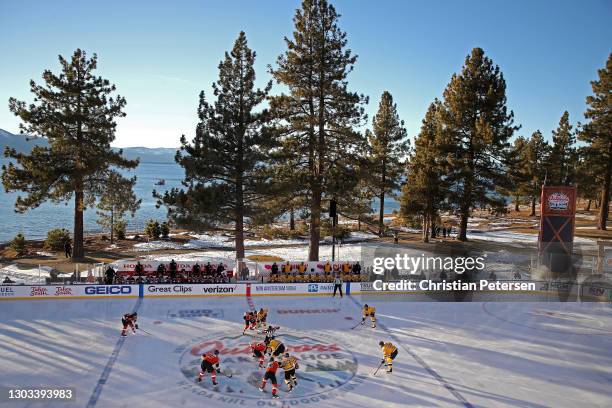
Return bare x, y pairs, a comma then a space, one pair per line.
535, 161
425, 189
224, 162
318, 115
477, 127
517, 172
76, 112
597, 134
562, 160
388, 148
116, 198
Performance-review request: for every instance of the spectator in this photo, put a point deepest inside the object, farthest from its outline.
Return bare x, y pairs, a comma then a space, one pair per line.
302, 268
220, 269
195, 270
173, 267
138, 269
327, 267
395, 237
443, 232
287, 268
109, 275
208, 269
274, 270
67, 249
161, 270
356, 268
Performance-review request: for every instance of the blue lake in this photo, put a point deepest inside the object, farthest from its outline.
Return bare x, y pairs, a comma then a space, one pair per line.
35, 223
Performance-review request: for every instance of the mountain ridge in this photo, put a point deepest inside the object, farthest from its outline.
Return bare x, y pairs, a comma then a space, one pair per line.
23, 144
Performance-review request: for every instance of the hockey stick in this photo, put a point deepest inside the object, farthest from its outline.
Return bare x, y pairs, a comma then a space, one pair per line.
230, 375
142, 330
358, 324
381, 364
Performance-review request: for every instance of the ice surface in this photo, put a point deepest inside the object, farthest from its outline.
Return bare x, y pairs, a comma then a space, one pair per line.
450, 354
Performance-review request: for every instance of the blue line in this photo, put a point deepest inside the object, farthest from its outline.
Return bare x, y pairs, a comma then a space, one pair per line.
422, 362
93, 399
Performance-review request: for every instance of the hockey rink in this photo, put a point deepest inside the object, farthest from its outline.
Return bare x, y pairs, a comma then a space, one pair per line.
450, 354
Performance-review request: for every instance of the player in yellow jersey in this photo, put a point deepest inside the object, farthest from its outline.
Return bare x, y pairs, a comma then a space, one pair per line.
389, 353
289, 364
262, 315
275, 348
369, 311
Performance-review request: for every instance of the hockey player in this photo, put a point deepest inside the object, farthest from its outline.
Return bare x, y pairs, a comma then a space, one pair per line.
129, 322
270, 332
371, 312
259, 349
262, 315
389, 353
270, 375
210, 364
250, 318
275, 348
289, 364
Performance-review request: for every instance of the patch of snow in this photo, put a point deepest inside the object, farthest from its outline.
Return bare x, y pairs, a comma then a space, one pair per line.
44, 253
156, 245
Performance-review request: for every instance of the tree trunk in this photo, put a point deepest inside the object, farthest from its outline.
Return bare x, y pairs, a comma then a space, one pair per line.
605, 195
78, 251
381, 215
425, 228
533, 206
588, 206
112, 225
516, 205
359, 224
291, 219
315, 224
433, 226
381, 212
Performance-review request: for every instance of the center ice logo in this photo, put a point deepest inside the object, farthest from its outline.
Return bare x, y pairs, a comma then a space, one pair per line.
325, 366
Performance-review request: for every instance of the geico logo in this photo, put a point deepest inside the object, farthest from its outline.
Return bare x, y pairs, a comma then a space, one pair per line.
108, 290
219, 289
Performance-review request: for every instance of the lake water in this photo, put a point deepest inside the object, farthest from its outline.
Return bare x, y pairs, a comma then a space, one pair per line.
35, 223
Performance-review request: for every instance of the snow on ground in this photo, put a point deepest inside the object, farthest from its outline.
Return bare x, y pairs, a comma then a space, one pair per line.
516, 238
33, 275
503, 354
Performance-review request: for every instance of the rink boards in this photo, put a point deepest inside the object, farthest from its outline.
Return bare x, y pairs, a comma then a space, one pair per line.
549, 290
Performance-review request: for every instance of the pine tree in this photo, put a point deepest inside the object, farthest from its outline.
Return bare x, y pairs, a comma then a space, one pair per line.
116, 199
224, 162
535, 160
425, 189
562, 160
76, 113
477, 126
388, 148
597, 134
517, 172
318, 115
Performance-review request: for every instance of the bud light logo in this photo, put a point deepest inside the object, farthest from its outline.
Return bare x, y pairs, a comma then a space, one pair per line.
108, 290
313, 287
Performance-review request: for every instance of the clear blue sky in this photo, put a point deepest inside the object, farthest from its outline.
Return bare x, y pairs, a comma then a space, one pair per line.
160, 54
